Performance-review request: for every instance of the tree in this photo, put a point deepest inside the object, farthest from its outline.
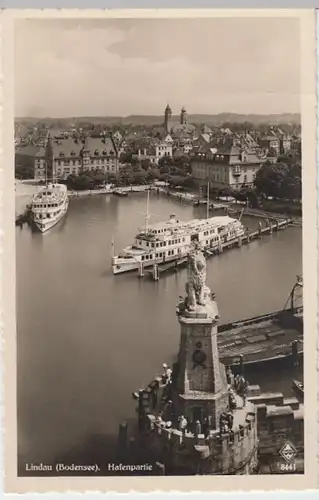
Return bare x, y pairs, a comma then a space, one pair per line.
177, 180
190, 182
269, 179
287, 159
165, 161
80, 182
292, 184
145, 164
24, 172
182, 163
247, 194
126, 157
177, 171
165, 169
225, 192
139, 177
153, 173
279, 180
135, 160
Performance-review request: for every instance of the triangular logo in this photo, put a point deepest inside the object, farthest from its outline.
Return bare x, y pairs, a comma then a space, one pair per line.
288, 452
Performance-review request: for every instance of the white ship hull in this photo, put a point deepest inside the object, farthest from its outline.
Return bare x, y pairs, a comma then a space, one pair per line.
49, 206
119, 267
172, 240
44, 225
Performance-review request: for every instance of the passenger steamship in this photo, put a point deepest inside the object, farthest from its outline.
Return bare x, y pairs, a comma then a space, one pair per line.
171, 240
49, 206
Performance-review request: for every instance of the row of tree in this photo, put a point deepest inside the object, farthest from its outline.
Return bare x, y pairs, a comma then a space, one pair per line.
280, 181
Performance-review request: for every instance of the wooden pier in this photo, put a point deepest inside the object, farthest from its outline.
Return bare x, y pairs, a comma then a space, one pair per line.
155, 271
267, 227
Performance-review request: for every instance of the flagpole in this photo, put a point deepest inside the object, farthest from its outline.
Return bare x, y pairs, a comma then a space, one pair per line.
147, 210
112, 246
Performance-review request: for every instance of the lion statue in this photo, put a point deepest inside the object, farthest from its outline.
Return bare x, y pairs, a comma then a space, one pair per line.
196, 288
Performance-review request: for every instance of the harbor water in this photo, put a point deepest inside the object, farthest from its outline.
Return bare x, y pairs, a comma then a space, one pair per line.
86, 339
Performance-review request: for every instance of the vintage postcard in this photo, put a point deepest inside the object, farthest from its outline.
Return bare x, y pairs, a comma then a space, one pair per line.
159, 250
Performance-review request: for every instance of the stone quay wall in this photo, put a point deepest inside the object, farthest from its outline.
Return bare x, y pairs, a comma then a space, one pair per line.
213, 453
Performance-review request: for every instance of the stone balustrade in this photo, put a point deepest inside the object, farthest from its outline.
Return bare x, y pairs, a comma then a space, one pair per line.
215, 441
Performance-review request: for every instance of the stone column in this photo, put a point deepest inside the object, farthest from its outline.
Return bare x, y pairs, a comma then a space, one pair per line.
201, 379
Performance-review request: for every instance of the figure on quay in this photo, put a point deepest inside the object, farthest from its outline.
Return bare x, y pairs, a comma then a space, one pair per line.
230, 376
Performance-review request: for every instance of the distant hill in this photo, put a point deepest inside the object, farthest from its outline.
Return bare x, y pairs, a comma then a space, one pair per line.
149, 120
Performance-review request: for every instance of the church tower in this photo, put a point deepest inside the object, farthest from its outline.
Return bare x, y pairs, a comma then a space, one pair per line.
183, 119
168, 119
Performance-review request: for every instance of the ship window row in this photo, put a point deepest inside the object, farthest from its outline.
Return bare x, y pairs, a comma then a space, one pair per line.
208, 232
49, 205
47, 216
213, 240
159, 255
165, 243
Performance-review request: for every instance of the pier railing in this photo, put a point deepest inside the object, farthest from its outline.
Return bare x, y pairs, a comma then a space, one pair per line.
269, 227
219, 445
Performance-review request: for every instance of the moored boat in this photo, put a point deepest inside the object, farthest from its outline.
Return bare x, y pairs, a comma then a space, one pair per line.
49, 206
272, 337
120, 192
171, 240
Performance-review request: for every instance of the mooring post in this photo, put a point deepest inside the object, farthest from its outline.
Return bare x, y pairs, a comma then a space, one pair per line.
270, 227
239, 241
141, 269
220, 247
259, 229
155, 272
277, 224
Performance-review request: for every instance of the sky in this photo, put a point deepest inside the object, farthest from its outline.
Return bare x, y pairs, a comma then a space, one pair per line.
119, 67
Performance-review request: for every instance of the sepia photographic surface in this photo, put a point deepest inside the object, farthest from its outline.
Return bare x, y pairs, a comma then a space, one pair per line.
162, 319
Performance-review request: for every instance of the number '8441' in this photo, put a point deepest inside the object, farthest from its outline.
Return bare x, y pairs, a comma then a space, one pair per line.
288, 467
